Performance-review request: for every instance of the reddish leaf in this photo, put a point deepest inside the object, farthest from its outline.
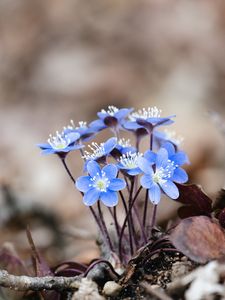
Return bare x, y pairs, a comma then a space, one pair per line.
221, 218
199, 238
195, 200
220, 201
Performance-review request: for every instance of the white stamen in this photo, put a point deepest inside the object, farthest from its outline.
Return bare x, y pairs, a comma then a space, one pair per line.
100, 183
59, 141
150, 112
81, 124
97, 151
124, 143
129, 160
111, 110
172, 136
161, 174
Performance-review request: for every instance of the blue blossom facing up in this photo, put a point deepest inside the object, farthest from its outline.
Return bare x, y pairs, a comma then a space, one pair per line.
100, 184
147, 118
129, 163
61, 144
160, 173
100, 152
113, 118
83, 129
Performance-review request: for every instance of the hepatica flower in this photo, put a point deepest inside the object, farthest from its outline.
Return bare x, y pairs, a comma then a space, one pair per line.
61, 144
147, 118
129, 163
167, 136
99, 152
100, 184
113, 118
161, 170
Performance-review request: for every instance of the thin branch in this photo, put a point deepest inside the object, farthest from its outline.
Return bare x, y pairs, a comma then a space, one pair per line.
26, 283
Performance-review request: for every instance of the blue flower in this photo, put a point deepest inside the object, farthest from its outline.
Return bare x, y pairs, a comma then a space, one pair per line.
100, 152
147, 118
61, 144
101, 184
113, 118
85, 132
161, 170
167, 136
129, 163
124, 146
178, 159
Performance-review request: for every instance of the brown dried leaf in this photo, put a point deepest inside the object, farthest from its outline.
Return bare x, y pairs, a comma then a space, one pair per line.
199, 238
196, 202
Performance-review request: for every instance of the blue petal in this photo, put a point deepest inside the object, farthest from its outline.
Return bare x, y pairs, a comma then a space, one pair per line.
102, 115
180, 175
97, 125
125, 150
110, 145
122, 113
161, 158
146, 181
159, 135
117, 184
154, 193
144, 165
83, 183
180, 158
48, 151
93, 168
110, 171
170, 189
133, 172
44, 146
73, 136
109, 198
170, 148
91, 197
150, 156
131, 125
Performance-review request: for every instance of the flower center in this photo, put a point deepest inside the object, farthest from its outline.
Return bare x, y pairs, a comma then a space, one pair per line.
101, 183
158, 176
97, 151
150, 112
111, 110
58, 142
162, 174
129, 160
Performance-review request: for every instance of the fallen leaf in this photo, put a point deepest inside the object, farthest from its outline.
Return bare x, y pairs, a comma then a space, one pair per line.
199, 238
196, 201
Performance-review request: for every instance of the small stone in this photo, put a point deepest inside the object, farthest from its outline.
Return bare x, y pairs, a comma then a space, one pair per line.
111, 288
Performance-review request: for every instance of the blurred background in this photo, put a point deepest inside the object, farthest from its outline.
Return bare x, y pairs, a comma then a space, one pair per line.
62, 60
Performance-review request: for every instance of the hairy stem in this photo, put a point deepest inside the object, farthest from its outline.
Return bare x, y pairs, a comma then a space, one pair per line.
106, 234
125, 221
68, 170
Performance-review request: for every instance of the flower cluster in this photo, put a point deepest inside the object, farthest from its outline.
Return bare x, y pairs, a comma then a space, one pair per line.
118, 172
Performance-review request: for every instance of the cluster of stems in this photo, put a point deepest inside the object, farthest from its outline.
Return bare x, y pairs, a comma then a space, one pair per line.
135, 228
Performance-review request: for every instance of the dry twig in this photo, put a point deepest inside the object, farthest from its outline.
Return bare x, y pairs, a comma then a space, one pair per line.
25, 283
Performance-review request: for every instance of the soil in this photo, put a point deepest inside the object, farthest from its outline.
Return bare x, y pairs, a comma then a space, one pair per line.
159, 271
